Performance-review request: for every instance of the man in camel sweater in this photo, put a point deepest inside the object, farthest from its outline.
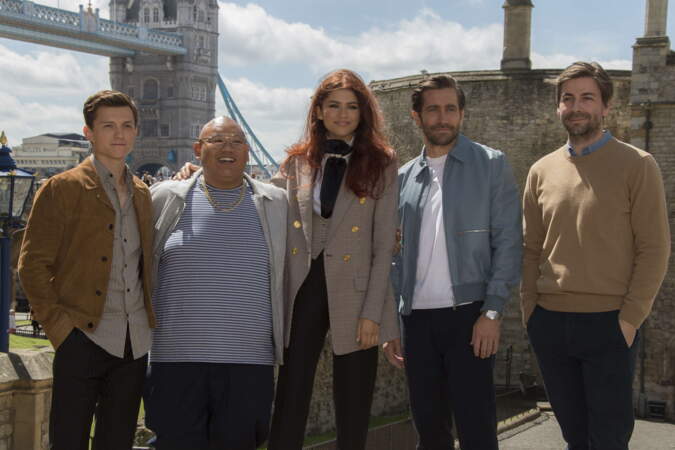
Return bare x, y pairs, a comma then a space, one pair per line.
596, 248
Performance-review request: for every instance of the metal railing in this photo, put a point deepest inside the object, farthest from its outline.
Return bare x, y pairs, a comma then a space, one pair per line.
22, 12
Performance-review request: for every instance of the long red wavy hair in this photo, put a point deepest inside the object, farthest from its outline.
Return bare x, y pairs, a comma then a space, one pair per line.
371, 153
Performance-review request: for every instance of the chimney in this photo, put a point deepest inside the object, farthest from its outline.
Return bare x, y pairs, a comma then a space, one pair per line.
655, 18
517, 33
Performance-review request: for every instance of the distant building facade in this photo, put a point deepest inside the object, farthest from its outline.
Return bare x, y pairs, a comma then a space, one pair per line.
50, 153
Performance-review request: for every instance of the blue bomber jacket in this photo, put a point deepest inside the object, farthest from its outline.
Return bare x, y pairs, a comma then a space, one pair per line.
482, 219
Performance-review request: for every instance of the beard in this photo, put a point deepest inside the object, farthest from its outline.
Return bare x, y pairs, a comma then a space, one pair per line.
591, 127
439, 139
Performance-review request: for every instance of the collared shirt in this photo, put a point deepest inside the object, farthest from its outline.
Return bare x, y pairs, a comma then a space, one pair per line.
606, 136
124, 301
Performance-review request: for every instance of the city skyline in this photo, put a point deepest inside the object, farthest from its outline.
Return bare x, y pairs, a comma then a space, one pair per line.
272, 54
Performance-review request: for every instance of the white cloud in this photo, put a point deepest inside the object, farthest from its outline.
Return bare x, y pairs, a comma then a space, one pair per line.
275, 114
24, 119
42, 90
559, 61
251, 35
50, 72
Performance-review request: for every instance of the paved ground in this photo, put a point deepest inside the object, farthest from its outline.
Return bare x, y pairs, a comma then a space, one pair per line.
543, 434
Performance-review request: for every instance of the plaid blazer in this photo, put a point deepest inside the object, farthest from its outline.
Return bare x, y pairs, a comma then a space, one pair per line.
357, 254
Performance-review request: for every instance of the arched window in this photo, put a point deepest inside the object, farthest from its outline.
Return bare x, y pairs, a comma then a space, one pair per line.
201, 16
194, 13
150, 89
146, 15
155, 15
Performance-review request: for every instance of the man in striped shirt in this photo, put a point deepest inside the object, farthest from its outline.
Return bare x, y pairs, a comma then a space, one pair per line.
219, 246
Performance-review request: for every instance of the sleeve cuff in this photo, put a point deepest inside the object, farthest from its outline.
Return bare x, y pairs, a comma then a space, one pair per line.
494, 303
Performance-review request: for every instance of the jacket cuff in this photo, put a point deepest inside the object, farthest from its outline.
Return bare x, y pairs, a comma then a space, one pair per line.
494, 303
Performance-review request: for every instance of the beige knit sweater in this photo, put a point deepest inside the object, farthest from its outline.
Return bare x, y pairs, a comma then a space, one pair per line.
596, 233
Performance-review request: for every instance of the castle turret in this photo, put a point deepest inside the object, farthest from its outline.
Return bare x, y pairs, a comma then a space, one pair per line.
517, 32
655, 18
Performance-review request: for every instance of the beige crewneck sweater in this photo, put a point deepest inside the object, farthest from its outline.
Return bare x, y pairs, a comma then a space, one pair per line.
596, 232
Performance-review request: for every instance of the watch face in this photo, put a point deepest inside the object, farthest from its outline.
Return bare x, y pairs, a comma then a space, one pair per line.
492, 315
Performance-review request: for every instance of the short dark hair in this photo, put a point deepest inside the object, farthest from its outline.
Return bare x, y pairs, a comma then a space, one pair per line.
582, 69
107, 98
436, 82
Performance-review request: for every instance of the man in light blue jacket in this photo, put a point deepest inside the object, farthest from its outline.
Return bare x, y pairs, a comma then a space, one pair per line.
460, 256
220, 241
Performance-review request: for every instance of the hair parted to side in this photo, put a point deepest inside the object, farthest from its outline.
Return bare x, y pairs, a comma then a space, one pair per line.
371, 152
436, 82
593, 70
107, 98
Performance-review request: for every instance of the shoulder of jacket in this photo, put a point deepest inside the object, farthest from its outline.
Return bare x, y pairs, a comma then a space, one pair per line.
160, 191
484, 151
270, 190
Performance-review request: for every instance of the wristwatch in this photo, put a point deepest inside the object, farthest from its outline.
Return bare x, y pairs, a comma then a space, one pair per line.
492, 315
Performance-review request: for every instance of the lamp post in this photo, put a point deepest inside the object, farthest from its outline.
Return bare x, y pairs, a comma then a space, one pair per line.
15, 188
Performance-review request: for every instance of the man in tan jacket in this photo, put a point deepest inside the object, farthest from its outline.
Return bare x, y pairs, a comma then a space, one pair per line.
85, 265
596, 248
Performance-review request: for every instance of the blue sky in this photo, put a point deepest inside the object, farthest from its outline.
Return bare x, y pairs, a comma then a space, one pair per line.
273, 52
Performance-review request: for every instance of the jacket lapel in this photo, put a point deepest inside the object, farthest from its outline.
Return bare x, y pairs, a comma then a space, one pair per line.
143, 213
262, 207
92, 182
305, 188
344, 200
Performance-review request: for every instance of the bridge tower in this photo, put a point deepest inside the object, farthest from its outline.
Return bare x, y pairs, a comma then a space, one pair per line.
175, 94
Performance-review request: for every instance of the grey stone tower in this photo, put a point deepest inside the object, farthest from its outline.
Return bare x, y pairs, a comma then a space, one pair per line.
517, 33
653, 61
655, 18
175, 95
652, 103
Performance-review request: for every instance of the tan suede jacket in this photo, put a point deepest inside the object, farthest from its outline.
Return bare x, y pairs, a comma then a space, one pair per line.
66, 253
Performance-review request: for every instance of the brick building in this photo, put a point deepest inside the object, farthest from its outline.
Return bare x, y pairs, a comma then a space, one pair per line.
514, 109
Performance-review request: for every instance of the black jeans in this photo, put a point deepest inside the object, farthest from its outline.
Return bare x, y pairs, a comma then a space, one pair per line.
588, 372
353, 374
87, 381
204, 406
445, 379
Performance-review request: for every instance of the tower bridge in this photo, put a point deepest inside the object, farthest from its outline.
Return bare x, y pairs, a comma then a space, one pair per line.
163, 53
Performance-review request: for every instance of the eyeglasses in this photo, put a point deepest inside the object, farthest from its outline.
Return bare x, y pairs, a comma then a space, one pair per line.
220, 142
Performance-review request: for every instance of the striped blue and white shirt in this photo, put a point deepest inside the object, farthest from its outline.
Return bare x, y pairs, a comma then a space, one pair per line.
212, 297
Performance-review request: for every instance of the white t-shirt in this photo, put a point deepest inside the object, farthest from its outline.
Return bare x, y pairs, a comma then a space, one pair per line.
433, 284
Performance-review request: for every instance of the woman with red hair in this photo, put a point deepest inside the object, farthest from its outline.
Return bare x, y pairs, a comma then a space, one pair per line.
342, 193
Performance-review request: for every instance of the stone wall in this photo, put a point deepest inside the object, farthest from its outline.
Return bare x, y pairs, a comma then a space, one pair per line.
653, 128
516, 113
25, 394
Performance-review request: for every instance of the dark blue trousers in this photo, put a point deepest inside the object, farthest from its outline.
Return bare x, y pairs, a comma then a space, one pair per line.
588, 372
445, 379
209, 406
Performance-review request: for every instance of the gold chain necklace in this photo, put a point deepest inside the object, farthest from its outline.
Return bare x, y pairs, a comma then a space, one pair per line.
215, 204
